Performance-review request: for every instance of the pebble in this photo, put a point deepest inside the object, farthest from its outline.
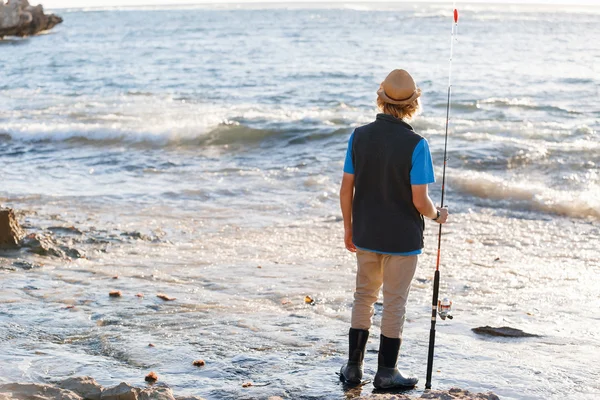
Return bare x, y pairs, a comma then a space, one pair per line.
165, 297
151, 377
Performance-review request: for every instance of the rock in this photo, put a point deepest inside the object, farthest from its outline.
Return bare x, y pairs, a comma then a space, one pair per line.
11, 232
386, 396
199, 363
151, 377
452, 394
123, 391
115, 293
73, 252
165, 297
26, 265
36, 391
458, 394
504, 331
156, 393
85, 387
69, 230
137, 235
185, 398
19, 18
42, 245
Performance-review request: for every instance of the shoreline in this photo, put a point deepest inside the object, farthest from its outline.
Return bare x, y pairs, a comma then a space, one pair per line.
86, 388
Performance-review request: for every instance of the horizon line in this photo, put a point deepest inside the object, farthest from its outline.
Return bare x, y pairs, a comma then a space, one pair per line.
561, 3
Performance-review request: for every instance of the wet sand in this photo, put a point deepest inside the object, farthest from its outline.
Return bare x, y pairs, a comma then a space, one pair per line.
240, 305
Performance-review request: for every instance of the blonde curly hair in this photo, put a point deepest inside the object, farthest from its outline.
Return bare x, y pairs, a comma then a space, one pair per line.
403, 111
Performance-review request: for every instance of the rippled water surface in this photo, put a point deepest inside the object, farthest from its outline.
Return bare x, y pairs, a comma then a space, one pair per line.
198, 153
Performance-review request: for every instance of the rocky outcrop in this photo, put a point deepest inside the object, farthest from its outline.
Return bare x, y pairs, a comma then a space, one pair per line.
86, 388
19, 18
18, 391
10, 230
12, 236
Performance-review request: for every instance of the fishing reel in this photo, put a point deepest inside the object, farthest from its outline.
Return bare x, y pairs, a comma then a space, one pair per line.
445, 308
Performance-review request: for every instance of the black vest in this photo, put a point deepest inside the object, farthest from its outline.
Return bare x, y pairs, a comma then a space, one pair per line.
383, 214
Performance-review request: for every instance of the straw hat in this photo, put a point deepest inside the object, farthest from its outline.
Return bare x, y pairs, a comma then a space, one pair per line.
399, 88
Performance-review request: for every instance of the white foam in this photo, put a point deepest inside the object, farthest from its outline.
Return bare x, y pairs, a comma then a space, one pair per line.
150, 118
584, 203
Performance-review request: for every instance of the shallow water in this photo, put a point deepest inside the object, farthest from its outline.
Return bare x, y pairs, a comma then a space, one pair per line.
190, 152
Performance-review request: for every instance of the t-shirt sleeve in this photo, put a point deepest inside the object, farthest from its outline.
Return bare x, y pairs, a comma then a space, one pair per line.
349, 163
421, 172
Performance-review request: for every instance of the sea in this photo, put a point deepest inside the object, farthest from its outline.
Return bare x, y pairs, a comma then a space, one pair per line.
197, 151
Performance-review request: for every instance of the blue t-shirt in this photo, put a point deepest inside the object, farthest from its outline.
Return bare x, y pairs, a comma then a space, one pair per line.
421, 173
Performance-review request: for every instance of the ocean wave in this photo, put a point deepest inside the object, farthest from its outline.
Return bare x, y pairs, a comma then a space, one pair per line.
226, 133
523, 103
527, 195
167, 120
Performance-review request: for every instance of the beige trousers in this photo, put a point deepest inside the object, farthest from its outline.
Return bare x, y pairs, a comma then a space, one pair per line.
396, 274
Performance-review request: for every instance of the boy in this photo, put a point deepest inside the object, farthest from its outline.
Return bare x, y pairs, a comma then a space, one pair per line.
384, 198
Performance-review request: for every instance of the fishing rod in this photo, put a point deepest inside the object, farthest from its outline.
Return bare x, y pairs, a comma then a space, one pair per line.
444, 306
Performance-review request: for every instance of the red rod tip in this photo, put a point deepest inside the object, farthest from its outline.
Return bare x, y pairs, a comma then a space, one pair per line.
455, 16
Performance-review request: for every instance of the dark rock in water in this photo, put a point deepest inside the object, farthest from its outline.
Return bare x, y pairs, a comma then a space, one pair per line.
504, 331
46, 245
65, 229
452, 394
73, 253
25, 265
19, 18
457, 394
42, 245
10, 230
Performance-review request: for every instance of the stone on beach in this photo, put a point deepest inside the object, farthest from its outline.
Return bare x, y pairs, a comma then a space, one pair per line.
165, 297
42, 245
19, 18
199, 363
115, 293
151, 377
156, 393
84, 386
187, 398
11, 232
12, 236
18, 391
451, 394
123, 391
458, 394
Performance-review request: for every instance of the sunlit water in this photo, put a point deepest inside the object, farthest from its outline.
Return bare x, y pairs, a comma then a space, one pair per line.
219, 134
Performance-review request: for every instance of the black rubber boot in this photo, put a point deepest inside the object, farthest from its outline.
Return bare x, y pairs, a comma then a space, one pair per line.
352, 371
388, 376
